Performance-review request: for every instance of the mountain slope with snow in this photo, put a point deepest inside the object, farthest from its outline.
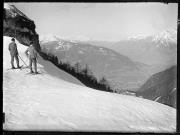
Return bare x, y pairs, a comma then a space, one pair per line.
158, 51
46, 102
165, 38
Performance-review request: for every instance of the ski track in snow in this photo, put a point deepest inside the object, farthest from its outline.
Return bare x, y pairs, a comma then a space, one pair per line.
49, 102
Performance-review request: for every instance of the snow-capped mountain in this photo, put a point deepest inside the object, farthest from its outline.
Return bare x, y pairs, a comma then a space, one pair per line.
57, 42
158, 51
47, 38
136, 37
165, 38
52, 37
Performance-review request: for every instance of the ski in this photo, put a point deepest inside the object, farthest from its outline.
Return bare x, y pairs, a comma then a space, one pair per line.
15, 68
24, 67
20, 67
33, 73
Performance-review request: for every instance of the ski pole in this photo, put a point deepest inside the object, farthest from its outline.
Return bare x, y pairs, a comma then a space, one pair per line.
23, 61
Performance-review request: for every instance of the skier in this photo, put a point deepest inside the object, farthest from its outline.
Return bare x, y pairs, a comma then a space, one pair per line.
32, 57
14, 53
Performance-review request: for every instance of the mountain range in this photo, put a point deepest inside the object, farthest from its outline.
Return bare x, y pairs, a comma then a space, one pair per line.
147, 54
119, 70
158, 51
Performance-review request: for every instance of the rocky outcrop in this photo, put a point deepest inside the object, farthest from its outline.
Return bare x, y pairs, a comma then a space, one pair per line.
19, 26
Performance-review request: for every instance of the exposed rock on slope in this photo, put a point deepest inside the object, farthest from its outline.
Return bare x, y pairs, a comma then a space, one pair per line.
18, 25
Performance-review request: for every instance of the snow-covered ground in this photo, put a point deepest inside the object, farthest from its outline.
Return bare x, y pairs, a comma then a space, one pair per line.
54, 100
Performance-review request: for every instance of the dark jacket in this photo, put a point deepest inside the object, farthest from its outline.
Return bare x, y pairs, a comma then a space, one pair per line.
13, 48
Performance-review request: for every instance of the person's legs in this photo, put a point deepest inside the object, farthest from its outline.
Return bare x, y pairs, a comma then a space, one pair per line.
30, 65
12, 61
35, 65
17, 61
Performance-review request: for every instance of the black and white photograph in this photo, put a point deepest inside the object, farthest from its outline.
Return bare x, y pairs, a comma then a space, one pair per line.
90, 67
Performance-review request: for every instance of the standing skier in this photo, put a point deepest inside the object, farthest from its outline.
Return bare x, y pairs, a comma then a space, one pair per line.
14, 53
32, 57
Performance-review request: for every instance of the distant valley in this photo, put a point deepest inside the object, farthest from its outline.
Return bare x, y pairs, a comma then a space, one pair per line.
119, 70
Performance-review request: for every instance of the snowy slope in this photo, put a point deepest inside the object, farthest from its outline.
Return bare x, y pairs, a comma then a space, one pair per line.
45, 67
47, 102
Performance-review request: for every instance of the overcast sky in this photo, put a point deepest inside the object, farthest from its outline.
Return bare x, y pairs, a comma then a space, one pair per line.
101, 21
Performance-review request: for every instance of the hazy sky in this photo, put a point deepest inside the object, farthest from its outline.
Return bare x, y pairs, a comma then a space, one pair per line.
101, 21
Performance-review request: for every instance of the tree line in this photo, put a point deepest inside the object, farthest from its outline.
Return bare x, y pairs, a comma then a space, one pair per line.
84, 75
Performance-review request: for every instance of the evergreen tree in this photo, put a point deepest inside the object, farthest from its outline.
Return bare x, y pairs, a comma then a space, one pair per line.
77, 67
